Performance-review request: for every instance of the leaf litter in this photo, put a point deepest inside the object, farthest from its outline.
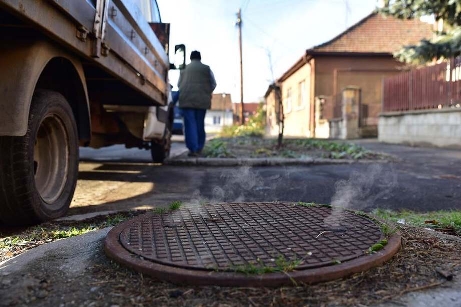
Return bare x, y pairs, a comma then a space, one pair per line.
417, 266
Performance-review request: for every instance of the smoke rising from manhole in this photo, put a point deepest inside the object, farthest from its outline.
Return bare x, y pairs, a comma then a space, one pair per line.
240, 185
360, 191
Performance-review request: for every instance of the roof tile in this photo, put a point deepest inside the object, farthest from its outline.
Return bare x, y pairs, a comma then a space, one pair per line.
378, 34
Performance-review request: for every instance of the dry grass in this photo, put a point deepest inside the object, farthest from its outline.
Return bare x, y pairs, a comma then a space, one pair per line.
415, 267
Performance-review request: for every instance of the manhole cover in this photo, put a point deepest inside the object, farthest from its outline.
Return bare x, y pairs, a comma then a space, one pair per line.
222, 239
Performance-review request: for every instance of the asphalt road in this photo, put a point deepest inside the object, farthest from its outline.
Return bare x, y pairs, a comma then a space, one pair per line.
424, 179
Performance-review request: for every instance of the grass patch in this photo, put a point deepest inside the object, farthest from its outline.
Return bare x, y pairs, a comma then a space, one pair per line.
13, 244
175, 205
259, 147
217, 148
446, 221
171, 207
378, 246
335, 150
71, 232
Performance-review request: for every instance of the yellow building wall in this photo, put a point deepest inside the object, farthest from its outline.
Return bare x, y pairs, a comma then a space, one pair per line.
296, 96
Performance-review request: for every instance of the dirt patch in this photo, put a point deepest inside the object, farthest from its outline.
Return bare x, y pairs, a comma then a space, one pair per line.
256, 147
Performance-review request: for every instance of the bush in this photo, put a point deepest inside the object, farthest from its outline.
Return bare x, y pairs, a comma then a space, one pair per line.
216, 148
254, 127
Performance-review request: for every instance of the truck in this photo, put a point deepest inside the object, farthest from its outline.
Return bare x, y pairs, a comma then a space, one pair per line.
77, 73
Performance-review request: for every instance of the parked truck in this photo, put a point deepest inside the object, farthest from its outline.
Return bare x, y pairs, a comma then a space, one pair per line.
76, 73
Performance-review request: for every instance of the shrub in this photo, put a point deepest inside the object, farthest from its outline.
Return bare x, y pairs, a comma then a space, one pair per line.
254, 127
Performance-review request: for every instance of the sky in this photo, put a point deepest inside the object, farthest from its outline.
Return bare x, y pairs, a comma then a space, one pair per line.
275, 34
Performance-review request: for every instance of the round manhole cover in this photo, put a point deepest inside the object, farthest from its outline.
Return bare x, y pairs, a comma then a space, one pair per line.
222, 239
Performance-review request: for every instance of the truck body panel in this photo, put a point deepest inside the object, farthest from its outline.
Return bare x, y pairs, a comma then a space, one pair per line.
24, 62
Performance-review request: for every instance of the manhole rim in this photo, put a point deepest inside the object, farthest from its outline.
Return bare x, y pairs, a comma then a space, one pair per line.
114, 250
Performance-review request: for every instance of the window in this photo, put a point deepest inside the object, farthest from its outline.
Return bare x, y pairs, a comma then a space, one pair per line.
155, 12
216, 120
149, 9
288, 101
302, 95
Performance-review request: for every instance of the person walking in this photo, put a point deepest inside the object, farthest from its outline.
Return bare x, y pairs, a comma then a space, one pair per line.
196, 85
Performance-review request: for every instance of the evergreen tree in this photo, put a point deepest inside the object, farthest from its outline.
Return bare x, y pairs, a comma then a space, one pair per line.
445, 44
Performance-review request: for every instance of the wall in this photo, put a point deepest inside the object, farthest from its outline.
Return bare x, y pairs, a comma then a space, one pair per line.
334, 73
297, 116
336, 129
440, 128
226, 119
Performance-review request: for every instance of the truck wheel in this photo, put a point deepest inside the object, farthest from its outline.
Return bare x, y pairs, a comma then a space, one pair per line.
160, 150
38, 171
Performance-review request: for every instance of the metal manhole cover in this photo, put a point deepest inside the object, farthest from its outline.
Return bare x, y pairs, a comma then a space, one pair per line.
226, 236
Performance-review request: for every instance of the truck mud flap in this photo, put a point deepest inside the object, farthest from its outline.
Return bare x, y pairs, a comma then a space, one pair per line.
162, 114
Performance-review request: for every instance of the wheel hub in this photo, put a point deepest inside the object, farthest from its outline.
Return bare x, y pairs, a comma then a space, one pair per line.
51, 152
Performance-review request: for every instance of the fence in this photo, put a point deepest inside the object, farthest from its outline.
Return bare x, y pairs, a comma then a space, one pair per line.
432, 87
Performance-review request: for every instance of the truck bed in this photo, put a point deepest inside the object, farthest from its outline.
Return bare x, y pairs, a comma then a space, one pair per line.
123, 59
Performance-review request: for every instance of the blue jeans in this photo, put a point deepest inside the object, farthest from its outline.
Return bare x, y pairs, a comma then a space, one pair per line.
194, 128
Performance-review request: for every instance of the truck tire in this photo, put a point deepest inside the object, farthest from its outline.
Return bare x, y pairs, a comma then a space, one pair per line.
38, 171
160, 149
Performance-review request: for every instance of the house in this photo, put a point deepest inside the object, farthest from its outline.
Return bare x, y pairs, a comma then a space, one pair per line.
335, 89
220, 114
249, 109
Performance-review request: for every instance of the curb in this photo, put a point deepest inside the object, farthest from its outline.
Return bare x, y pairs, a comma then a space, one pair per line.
262, 161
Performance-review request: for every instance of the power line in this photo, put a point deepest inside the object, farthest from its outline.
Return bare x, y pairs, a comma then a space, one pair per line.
245, 5
274, 39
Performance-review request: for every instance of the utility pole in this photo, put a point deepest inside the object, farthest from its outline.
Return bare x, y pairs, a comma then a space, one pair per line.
239, 24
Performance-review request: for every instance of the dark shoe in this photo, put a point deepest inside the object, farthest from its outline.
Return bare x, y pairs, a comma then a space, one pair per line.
192, 154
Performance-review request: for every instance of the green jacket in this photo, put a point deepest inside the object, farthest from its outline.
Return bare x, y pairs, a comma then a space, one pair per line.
196, 85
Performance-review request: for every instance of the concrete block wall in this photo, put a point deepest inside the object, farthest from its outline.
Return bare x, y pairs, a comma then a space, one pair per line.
337, 130
441, 128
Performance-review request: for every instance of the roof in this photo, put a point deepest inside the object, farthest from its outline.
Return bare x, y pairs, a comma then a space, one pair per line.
221, 102
269, 90
377, 34
250, 107
374, 35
